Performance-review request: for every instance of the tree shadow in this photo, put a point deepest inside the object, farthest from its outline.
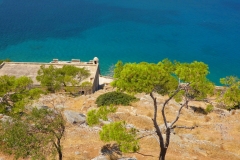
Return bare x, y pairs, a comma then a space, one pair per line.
111, 150
199, 110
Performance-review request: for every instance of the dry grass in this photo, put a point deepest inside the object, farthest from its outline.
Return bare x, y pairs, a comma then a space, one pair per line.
210, 142
207, 118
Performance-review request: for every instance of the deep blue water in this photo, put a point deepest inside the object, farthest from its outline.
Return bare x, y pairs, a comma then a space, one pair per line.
128, 30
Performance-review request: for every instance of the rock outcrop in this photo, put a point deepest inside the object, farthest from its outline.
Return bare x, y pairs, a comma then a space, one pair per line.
74, 117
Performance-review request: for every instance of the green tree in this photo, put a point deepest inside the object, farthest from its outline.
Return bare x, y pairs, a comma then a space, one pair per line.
230, 95
15, 93
118, 68
48, 78
180, 81
37, 134
94, 115
61, 78
125, 138
16, 140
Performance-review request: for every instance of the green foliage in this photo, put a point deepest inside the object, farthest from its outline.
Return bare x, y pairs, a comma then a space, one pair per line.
144, 77
115, 98
7, 84
4, 60
125, 138
164, 78
94, 115
36, 134
231, 92
180, 81
35, 93
16, 140
195, 73
47, 77
66, 77
86, 84
209, 108
118, 69
15, 93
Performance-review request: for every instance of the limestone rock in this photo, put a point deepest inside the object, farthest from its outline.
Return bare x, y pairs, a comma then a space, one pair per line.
101, 157
74, 117
42, 107
5, 118
201, 151
188, 137
174, 138
77, 153
60, 106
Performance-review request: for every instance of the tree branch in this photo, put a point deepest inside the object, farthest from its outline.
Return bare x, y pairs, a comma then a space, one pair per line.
185, 104
165, 103
185, 127
161, 141
146, 135
178, 115
145, 155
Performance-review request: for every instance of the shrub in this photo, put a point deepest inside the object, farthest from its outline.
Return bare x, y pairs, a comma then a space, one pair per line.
94, 115
92, 118
115, 98
125, 138
209, 108
86, 84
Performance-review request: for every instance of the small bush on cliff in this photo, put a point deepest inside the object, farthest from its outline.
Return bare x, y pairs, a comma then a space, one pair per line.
125, 138
209, 108
229, 96
115, 98
94, 115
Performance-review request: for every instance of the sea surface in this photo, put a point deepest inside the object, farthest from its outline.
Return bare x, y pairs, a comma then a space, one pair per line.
127, 30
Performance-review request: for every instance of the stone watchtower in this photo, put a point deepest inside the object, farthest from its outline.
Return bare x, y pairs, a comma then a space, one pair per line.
95, 60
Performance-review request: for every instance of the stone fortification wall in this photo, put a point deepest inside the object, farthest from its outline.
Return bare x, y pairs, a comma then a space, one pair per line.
30, 69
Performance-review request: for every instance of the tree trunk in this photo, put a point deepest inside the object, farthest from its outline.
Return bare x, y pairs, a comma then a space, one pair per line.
163, 153
60, 155
59, 149
163, 149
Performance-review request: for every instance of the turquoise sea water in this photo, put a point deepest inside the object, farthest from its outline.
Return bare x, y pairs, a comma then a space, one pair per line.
127, 30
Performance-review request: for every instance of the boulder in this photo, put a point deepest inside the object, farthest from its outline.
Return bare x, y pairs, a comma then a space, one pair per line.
5, 118
42, 107
77, 153
187, 137
74, 117
101, 157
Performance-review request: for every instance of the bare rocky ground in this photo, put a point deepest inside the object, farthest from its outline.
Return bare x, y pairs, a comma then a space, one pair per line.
216, 135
